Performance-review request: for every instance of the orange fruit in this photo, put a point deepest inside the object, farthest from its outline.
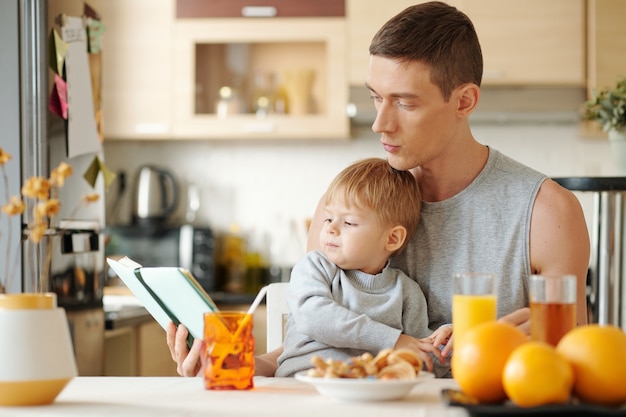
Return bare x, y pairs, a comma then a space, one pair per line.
598, 356
479, 361
536, 374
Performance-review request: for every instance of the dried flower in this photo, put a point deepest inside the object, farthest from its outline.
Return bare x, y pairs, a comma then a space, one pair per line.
59, 174
91, 198
14, 206
4, 157
37, 187
45, 206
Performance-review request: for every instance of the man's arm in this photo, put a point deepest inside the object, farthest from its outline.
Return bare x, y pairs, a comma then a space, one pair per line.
559, 240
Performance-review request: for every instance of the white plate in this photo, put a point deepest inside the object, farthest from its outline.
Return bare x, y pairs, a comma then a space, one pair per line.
363, 389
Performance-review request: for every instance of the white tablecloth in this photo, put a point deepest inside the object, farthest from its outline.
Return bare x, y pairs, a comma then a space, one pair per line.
186, 397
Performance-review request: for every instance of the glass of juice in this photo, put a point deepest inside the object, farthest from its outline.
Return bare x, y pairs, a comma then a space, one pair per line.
473, 302
552, 307
228, 351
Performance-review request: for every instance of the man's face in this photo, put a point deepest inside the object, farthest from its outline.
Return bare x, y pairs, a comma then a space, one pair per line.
415, 123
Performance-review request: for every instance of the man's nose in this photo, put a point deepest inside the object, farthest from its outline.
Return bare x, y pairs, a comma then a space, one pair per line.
384, 119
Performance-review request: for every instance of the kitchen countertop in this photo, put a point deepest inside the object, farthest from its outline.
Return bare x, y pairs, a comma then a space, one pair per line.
272, 397
122, 309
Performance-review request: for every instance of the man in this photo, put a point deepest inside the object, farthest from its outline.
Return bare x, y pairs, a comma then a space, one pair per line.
481, 211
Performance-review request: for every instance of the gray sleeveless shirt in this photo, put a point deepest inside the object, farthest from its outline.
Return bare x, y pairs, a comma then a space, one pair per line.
484, 228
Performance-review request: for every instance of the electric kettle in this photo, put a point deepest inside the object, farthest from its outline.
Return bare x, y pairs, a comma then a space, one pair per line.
155, 195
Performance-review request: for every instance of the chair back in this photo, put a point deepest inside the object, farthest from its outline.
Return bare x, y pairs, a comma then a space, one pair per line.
277, 312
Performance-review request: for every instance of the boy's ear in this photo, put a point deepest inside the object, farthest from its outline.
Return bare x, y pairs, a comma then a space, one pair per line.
396, 238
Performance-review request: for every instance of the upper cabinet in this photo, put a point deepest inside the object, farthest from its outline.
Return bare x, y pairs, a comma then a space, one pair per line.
364, 18
174, 73
259, 69
136, 71
260, 78
531, 42
606, 43
259, 8
213, 69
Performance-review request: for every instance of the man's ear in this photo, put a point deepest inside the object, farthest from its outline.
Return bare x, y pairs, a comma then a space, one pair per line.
395, 238
467, 97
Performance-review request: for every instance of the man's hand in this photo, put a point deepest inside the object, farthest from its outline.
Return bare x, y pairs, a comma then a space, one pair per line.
187, 361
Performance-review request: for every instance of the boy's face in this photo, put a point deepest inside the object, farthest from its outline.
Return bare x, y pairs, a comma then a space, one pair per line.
354, 238
415, 124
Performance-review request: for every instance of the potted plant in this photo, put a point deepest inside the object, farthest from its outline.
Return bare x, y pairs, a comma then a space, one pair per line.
608, 109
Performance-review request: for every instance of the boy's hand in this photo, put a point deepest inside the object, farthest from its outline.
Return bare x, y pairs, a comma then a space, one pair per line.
422, 347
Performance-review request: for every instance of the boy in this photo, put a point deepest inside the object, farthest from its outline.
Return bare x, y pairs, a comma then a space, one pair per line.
344, 299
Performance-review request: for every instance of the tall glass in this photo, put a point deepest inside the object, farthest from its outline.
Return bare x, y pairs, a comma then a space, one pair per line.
473, 302
228, 353
552, 307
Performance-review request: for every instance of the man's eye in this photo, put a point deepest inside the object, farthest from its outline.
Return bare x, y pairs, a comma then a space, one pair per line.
327, 220
349, 223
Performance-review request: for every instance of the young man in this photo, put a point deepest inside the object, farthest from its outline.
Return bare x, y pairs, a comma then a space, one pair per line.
481, 211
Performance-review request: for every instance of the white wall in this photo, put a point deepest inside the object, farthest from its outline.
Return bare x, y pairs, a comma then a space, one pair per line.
263, 186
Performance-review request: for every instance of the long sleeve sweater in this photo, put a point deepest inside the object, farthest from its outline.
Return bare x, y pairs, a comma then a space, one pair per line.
340, 314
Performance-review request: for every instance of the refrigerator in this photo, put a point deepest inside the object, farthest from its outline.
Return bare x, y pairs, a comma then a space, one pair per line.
38, 141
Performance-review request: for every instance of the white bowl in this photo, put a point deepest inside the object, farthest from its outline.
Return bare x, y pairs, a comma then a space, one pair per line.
363, 389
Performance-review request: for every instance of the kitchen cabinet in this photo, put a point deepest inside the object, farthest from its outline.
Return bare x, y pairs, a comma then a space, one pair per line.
259, 78
162, 76
364, 18
138, 350
533, 42
141, 350
258, 8
606, 43
87, 331
136, 68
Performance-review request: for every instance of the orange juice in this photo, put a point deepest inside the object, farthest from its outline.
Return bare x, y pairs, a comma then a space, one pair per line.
470, 310
228, 354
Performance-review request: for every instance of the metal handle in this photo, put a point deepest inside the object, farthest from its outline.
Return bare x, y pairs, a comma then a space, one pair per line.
259, 11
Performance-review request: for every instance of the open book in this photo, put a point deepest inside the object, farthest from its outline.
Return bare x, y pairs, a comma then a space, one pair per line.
168, 293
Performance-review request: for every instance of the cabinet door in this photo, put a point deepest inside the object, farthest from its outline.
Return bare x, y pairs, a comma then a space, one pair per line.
87, 328
531, 42
259, 8
220, 65
364, 18
136, 69
153, 355
606, 43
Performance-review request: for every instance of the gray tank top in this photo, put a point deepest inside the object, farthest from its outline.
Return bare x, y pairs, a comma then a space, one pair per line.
484, 228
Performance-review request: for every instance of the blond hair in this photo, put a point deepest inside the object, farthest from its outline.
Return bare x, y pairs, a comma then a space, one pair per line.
373, 184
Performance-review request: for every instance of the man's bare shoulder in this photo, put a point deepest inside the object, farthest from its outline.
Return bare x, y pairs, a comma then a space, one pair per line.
559, 238
554, 197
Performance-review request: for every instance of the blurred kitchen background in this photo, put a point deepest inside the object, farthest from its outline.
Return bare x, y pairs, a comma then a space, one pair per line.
231, 118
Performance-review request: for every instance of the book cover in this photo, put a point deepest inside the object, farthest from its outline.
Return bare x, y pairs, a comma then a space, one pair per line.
168, 293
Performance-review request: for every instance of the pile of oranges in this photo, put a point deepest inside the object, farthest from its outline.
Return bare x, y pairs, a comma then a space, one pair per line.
496, 361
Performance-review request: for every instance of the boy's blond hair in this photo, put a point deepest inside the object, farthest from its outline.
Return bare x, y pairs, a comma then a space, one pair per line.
373, 184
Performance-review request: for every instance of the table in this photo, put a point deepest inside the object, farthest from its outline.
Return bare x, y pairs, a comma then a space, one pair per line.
272, 397
607, 266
